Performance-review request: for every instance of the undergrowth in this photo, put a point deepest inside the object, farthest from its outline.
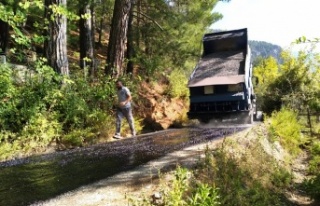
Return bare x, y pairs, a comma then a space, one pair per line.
312, 185
178, 84
38, 107
234, 174
285, 128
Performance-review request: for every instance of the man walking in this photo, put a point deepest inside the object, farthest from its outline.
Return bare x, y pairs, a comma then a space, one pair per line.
123, 109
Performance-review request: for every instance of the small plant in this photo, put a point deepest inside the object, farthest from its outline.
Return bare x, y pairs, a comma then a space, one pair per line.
175, 195
205, 196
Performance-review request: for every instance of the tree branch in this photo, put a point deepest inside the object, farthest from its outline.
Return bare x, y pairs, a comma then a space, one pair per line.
146, 16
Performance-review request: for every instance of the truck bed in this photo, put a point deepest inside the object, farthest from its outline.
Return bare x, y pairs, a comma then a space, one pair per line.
220, 64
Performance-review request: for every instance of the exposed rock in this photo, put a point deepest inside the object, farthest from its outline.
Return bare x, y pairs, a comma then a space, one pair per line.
157, 108
157, 198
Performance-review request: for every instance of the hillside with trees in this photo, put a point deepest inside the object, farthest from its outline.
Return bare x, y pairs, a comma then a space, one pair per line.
262, 49
57, 89
65, 56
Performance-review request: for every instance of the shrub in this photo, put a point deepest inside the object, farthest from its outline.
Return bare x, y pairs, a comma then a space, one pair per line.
314, 164
178, 84
285, 128
243, 175
205, 195
181, 192
8, 147
41, 130
312, 187
77, 137
38, 106
175, 195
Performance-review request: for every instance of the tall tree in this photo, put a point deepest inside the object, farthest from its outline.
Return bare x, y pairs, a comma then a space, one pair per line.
168, 33
130, 46
56, 44
118, 38
87, 36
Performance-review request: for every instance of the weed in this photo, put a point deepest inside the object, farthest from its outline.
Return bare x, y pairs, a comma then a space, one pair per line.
175, 195
205, 195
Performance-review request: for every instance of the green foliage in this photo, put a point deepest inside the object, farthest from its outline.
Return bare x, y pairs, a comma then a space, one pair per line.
285, 128
7, 89
170, 33
182, 192
205, 195
77, 137
281, 178
39, 107
39, 131
178, 84
303, 39
175, 196
265, 73
294, 83
7, 144
21, 17
242, 179
237, 173
312, 185
314, 163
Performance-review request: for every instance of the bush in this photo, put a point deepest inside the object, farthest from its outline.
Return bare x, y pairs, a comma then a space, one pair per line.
205, 195
178, 84
175, 195
285, 128
314, 164
181, 192
312, 187
41, 130
39, 106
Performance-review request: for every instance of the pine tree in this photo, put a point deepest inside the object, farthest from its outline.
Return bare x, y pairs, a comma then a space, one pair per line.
86, 26
118, 38
56, 45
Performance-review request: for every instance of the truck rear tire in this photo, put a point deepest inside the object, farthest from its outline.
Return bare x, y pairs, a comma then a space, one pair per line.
259, 116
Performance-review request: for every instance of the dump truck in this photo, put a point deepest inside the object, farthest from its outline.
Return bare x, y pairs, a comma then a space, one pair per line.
220, 85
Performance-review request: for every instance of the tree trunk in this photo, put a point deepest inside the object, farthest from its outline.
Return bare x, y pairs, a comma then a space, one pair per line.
4, 36
130, 46
56, 44
101, 26
86, 37
309, 121
118, 38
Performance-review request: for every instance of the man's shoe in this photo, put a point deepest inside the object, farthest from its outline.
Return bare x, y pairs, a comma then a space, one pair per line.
117, 136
